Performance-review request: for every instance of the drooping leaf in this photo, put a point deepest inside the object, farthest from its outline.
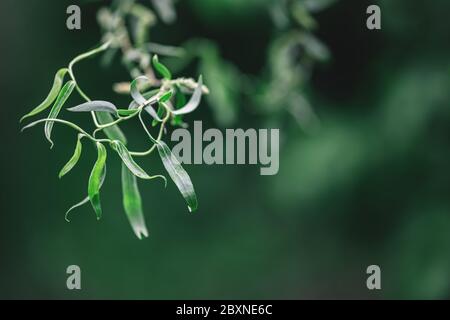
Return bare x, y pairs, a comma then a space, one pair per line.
162, 69
99, 106
132, 202
63, 95
57, 84
74, 159
96, 178
113, 132
178, 175
194, 101
85, 200
128, 160
180, 101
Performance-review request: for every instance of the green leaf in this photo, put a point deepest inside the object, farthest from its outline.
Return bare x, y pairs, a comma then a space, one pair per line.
132, 202
95, 180
178, 175
180, 101
194, 101
128, 160
85, 200
99, 106
126, 112
160, 114
162, 69
74, 159
63, 95
57, 84
166, 96
113, 132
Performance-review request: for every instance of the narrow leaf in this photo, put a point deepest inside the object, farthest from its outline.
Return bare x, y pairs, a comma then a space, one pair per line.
128, 160
100, 106
113, 132
162, 69
57, 84
160, 114
60, 100
194, 101
166, 96
95, 180
178, 175
74, 159
126, 112
85, 200
132, 202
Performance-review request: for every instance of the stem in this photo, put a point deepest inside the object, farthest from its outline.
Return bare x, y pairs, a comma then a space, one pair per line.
67, 123
88, 54
155, 141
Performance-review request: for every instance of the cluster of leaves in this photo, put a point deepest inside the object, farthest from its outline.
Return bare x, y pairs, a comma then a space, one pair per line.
164, 99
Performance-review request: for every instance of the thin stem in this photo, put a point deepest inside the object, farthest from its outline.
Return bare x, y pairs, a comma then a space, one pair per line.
103, 47
161, 131
67, 123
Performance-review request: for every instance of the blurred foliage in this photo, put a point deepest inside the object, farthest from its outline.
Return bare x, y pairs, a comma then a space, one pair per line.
369, 185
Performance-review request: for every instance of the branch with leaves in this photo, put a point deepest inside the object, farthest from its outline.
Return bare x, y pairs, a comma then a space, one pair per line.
163, 99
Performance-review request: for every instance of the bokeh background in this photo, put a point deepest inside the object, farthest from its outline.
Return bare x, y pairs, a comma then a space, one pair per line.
368, 185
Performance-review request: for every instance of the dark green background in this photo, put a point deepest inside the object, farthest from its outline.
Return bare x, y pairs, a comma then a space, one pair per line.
371, 187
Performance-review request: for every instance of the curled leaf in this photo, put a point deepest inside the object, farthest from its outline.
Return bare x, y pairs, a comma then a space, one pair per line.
128, 160
139, 99
132, 202
74, 159
60, 100
147, 95
162, 69
178, 175
134, 90
194, 101
57, 84
96, 178
99, 106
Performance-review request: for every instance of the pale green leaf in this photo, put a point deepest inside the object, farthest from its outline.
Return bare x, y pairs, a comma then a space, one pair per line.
194, 101
178, 175
98, 105
63, 95
57, 84
132, 202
